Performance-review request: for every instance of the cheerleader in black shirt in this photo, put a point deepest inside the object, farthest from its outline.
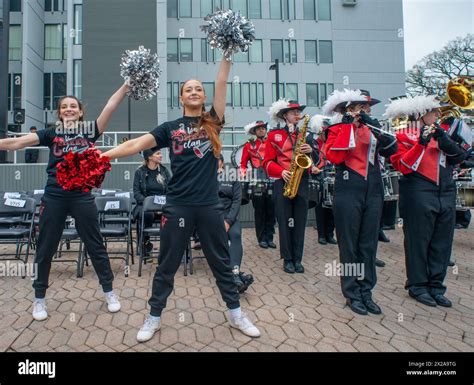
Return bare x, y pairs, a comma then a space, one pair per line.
70, 134
192, 198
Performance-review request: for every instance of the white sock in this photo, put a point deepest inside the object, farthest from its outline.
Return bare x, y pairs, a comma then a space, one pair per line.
43, 300
235, 312
109, 293
154, 318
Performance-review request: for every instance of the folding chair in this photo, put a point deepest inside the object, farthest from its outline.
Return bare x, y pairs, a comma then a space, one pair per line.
20, 231
108, 206
11, 221
70, 236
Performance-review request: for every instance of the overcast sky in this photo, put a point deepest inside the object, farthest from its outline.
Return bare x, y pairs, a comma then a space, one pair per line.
430, 24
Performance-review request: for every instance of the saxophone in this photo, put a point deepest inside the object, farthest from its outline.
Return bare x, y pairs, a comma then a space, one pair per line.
299, 163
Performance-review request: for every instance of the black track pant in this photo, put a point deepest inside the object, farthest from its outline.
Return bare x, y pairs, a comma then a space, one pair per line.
428, 225
235, 248
389, 213
291, 215
53, 214
324, 221
178, 224
264, 217
357, 211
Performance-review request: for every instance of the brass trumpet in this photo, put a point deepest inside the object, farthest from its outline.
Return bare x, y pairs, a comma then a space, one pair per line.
459, 94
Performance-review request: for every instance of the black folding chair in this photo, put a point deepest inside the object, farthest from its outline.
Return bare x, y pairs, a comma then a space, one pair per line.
8, 221
69, 237
20, 231
107, 207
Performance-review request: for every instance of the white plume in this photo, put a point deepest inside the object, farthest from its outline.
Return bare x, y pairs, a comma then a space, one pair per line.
338, 97
316, 123
275, 108
249, 126
417, 106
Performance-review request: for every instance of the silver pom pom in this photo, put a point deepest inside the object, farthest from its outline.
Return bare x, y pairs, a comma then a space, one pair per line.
141, 70
229, 31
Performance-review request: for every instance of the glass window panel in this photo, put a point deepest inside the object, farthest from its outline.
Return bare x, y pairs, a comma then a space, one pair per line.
294, 52
52, 41
275, 9
309, 10
291, 9
77, 79
245, 95
15, 5
9, 92
291, 91
255, 9
48, 5
241, 57
65, 41
172, 8
253, 94
17, 86
261, 96
186, 50
310, 51
277, 50
323, 92
185, 8
324, 9
256, 52
229, 94
325, 51
330, 88
226, 136
217, 54
209, 91
59, 88
78, 24
206, 7
172, 50
176, 94
282, 91
15, 42
240, 5
169, 94
237, 97
47, 91
312, 95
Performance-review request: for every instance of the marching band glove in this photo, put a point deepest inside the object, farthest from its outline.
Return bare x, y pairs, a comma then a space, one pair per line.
424, 140
438, 132
347, 119
366, 119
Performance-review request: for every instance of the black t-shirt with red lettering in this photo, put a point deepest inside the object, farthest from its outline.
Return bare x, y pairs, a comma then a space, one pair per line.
60, 142
193, 164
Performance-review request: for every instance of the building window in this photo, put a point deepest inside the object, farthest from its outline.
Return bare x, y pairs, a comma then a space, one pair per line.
309, 9
51, 5
241, 57
169, 94
312, 95
255, 9
185, 50
15, 42
172, 49
241, 6
287, 90
179, 8
275, 9
310, 51
250, 8
229, 94
78, 24
14, 89
324, 9
77, 79
207, 53
209, 90
325, 51
54, 89
9, 93
256, 52
237, 95
15, 5
172, 8
284, 51
55, 42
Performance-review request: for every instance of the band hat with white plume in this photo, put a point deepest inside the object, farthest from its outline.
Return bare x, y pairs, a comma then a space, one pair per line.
318, 122
340, 100
251, 127
415, 106
281, 107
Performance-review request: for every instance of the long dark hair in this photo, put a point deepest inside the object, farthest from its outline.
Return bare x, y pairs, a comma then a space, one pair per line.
210, 124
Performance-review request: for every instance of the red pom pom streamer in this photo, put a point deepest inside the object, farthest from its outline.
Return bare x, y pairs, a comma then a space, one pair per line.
82, 170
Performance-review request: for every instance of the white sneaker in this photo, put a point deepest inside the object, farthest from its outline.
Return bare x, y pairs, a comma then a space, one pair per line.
148, 329
244, 325
39, 310
113, 303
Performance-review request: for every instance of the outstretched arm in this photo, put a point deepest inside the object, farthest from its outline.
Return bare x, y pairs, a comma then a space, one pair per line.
111, 106
220, 97
131, 147
13, 144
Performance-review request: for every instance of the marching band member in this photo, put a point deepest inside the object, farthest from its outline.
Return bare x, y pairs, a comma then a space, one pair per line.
70, 135
254, 152
291, 213
354, 146
230, 195
324, 215
426, 156
192, 199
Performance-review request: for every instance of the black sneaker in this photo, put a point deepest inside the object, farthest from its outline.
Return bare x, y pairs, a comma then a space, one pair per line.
322, 241
263, 245
383, 237
379, 263
288, 267
271, 244
239, 283
247, 279
331, 240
